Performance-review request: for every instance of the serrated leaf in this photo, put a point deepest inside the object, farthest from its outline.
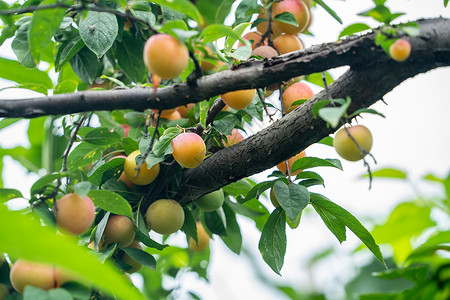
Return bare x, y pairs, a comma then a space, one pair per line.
98, 31
111, 202
272, 244
21, 46
8, 194
83, 154
350, 221
313, 162
354, 28
111, 169
333, 224
184, 7
141, 256
164, 144
310, 175
293, 198
43, 26
129, 145
286, 17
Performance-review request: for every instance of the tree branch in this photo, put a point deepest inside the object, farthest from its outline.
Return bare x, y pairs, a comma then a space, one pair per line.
357, 52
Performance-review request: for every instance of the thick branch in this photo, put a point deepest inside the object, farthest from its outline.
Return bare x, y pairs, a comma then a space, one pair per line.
297, 130
357, 52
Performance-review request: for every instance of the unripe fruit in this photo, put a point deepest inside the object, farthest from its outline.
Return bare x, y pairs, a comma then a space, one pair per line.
119, 229
282, 165
211, 201
189, 149
297, 91
265, 52
273, 198
346, 147
300, 11
25, 273
253, 37
165, 216
239, 99
74, 214
165, 56
234, 138
135, 265
287, 43
400, 50
145, 176
203, 239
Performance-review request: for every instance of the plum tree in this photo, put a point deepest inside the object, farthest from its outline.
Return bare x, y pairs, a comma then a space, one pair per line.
211, 201
165, 216
345, 144
74, 214
25, 273
203, 239
239, 99
145, 175
189, 149
165, 56
400, 50
301, 14
119, 229
287, 43
134, 264
273, 198
297, 91
282, 165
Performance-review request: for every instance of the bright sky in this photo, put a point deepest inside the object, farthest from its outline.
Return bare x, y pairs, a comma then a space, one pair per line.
412, 137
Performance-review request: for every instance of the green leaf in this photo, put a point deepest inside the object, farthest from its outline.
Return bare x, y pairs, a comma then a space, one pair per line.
59, 250
12, 70
333, 115
189, 225
99, 229
101, 136
326, 141
146, 240
286, 17
184, 7
164, 144
318, 106
31, 293
416, 273
329, 10
67, 51
366, 110
389, 173
224, 122
242, 53
410, 28
233, 238
21, 47
110, 169
231, 40
129, 56
43, 26
39, 186
141, 256
216, 221
7, 122
83, 154
354, 28
98, 31
59, 294
310, 175
333, 224
350, 221
129, 145
293, 198
272, 244
111, 202
216, 31
8, 194
66, 87
82, 188
445, 3
85, 64
313, 162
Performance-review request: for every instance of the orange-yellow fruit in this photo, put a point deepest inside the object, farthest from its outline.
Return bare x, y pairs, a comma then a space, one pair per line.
253, 37
206, 65
239, 99
145, 176
91, 245
164, 113
203, 239
189, 149
400, 50
135, 265
308, 3
122, 176
300, 11
165, 216
234, 138
165, 56
25, 273
347, 148
184, 109
265, 51
262, 27
74, 214
297, 91
287, 43
282, 165
273, 198
119, 229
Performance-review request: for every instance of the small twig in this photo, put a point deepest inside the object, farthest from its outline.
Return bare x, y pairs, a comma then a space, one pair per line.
216, 108
261, 98
325, 84
197, 73
268, 32
150, 146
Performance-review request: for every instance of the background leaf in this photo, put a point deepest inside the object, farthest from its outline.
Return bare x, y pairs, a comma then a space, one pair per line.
98, 31
111, 202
